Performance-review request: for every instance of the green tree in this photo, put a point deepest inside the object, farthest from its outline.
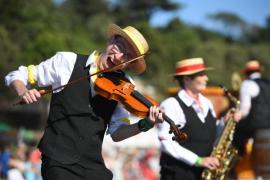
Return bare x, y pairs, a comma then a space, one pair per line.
86, 8
232, 24
129, 11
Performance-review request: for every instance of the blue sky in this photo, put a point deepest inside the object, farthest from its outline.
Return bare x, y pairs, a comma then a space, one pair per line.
196, 11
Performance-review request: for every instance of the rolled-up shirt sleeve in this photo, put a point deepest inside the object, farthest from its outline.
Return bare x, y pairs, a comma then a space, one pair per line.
54, 71
20, 74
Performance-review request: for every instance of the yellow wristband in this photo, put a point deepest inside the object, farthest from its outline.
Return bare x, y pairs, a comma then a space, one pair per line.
31, 78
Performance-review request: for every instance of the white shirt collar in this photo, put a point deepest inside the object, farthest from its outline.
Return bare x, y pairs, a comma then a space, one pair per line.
92, 58
189, 101
186, 98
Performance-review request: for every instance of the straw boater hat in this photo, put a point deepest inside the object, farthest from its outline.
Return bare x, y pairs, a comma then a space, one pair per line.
252, 65
136, 39
190, 66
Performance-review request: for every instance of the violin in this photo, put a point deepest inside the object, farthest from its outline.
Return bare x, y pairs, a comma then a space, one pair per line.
115, 86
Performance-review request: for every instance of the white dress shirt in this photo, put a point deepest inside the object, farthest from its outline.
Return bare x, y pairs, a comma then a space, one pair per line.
174, 111
56, 71
249, 89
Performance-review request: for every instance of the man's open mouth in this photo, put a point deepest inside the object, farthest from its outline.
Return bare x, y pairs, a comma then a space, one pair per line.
110, 60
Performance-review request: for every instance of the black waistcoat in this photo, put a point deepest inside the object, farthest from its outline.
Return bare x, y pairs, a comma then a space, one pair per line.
77, 122
201, 135
259, 115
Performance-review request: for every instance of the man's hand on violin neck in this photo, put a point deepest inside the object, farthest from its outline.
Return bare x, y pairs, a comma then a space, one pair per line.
155, 114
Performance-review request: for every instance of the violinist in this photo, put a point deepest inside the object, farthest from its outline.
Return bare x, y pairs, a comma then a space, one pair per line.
72, 142
195, 113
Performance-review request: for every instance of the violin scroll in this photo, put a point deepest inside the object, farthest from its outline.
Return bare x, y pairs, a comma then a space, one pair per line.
179, 136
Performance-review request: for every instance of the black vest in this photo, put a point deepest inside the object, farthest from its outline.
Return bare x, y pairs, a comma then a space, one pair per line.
77, 122
201, 136
259, 115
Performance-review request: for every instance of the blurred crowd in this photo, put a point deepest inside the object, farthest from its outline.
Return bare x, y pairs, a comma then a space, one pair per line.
22, 162
133, 163
19, 162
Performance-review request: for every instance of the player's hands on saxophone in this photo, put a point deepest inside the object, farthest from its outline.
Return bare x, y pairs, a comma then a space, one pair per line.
233, 113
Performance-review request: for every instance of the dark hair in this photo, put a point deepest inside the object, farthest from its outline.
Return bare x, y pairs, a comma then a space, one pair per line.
180, 80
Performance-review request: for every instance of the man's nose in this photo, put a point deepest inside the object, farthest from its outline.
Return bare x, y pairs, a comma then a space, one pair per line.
206, 78
119, 56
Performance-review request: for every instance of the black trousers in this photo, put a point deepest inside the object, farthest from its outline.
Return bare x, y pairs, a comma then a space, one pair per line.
53, 170
241, 135
172, 169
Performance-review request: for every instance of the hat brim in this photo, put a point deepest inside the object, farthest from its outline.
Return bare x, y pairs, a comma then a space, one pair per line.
139, 65
193, 72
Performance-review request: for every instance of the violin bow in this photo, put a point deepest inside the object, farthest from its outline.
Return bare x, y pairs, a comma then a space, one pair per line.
114, 68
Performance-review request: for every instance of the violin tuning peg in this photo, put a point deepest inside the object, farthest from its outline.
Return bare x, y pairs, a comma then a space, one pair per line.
170, 131
173, 138
178, 125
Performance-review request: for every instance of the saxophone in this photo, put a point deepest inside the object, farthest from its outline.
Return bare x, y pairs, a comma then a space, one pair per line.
224, 150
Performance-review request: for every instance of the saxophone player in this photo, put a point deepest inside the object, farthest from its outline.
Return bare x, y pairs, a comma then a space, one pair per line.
195, 115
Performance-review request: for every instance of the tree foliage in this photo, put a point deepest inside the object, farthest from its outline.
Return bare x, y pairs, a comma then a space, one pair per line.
33, 30
128, 11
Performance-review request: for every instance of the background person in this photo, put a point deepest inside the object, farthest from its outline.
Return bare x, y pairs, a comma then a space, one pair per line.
255, 104
252, 133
